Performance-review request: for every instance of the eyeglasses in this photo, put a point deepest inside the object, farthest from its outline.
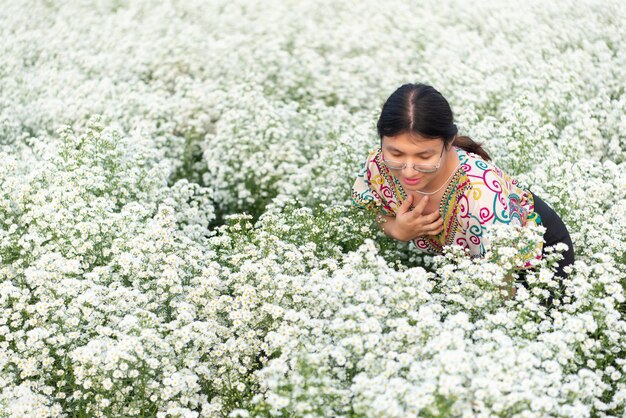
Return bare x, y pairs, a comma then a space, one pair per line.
422, 168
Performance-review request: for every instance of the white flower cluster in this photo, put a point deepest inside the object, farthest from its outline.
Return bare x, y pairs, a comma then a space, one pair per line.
380, 342
176, 236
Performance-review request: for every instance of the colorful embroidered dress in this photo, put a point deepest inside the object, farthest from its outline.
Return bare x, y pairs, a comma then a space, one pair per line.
479, 194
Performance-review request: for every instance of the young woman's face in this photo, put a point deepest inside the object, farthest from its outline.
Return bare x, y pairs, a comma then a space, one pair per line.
413, 149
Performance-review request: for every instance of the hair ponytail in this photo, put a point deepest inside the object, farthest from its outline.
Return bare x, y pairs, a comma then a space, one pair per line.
469, 145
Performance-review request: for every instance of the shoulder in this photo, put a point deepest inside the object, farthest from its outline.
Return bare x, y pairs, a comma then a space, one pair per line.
486, 176
369, 186
495, 195
375, 182
371, 163
474, 165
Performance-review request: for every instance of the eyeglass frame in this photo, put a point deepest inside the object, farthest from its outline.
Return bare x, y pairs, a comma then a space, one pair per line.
415, 166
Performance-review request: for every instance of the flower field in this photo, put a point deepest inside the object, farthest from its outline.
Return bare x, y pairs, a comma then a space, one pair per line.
177, 237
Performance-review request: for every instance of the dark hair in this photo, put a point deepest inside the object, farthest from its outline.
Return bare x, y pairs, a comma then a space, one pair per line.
421, 109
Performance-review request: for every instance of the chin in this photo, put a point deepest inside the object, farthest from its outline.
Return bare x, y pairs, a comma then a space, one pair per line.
413, 187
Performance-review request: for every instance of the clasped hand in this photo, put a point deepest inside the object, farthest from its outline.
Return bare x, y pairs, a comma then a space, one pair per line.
411, 224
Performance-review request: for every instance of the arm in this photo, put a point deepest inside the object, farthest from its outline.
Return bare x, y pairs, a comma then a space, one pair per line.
388, 225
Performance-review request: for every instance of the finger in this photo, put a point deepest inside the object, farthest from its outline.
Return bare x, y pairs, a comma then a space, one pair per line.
437, 224
404, 207
432, 217
420, 207
434, 226
437, 230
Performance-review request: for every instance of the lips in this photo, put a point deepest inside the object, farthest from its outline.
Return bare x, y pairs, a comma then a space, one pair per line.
412, 181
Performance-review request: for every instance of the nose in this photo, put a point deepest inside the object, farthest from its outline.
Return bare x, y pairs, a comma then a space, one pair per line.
409, 171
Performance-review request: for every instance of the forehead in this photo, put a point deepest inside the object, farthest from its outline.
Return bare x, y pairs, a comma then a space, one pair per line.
411, 143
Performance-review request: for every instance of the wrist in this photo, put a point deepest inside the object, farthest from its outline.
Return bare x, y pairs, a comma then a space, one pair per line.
395, 231
387, 224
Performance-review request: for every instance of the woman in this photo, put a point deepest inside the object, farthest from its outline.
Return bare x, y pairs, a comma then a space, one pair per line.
436, 188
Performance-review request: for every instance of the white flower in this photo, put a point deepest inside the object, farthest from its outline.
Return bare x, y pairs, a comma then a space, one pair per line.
198, 231
107, 384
